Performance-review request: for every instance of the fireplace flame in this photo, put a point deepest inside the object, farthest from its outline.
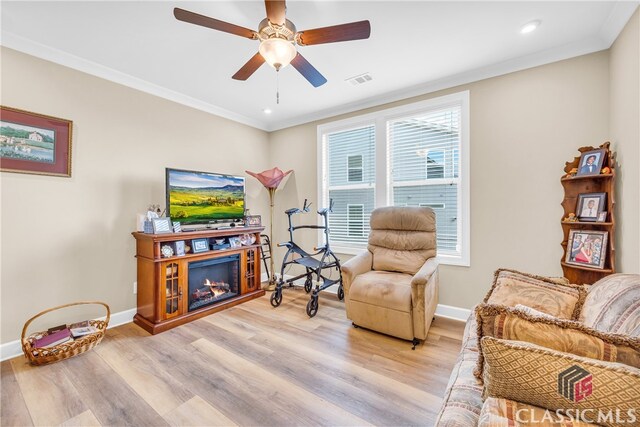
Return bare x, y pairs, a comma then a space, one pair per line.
217, 288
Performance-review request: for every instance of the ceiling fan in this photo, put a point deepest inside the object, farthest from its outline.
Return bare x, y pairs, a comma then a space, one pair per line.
278, 39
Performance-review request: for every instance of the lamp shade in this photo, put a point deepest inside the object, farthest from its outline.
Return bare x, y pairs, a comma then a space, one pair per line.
277, 52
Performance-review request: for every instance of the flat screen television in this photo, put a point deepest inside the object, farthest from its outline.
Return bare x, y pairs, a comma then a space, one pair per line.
202, 197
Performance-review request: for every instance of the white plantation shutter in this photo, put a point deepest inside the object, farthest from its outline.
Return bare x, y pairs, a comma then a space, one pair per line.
423, 155
350, 177
413, 155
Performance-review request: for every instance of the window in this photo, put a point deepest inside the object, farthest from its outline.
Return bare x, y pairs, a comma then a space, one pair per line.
354, 167
414, 155
350, 182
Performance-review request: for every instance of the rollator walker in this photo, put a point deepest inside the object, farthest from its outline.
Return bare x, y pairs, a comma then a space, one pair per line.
316, 264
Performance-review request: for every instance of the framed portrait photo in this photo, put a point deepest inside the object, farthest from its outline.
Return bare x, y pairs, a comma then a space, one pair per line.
590, 205
34, 143
591, 162
161, 225
587, 248
199, 245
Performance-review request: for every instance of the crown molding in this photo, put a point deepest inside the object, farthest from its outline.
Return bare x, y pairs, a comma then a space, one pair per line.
620, 14
24, 45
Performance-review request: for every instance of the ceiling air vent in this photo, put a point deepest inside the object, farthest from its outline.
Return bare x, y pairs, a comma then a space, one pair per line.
360, 79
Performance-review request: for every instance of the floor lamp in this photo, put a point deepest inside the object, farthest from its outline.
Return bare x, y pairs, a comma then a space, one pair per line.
271, 179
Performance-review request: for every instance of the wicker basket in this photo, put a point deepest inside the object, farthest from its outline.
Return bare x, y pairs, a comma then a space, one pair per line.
42, 356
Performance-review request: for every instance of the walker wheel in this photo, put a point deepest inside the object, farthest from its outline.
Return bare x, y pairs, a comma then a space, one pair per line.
276, 298
308, 284
340, 293
312, 307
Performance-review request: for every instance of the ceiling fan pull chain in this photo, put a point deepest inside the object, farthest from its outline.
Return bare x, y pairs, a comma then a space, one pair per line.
278, 87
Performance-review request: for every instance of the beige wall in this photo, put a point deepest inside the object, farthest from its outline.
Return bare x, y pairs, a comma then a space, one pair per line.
524, 126
68, 239
624, 117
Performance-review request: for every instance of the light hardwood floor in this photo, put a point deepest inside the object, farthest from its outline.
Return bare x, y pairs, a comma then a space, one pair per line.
249, 365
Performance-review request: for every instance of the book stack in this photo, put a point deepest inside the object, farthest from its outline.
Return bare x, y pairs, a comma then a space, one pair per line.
64, 333
53, 339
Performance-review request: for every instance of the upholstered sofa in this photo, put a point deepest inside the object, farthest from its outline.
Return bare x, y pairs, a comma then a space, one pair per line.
607, 313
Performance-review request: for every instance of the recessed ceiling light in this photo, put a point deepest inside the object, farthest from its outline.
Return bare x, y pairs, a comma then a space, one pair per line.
267, 111
529, 27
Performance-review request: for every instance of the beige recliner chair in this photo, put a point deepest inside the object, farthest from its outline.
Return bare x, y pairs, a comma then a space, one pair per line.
393, 287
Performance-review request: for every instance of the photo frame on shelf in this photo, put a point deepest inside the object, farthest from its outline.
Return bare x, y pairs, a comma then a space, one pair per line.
177, 227
587, 248
602, 216
180, 248
161, 225
590, 205
235, 242
253, 220
199, 245
166, 250
34, 143
591, 162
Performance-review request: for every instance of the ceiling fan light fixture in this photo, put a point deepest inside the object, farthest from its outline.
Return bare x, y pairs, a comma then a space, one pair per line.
277, 52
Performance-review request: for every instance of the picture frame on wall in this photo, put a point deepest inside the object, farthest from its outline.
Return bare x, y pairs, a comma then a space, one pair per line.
590, 205
199, 245
253, 220
591, 162
587, 248
161, 225
34, 143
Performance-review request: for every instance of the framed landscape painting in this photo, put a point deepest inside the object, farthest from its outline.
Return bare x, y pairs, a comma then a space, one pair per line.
34, 143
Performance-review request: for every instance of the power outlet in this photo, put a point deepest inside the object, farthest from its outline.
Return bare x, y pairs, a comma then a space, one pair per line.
135, 287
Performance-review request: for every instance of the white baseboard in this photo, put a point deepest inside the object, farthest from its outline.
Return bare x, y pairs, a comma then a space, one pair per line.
13, 349
448, 311
455, 313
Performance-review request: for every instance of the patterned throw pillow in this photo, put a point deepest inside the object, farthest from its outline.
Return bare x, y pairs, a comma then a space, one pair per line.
557, 334
508, 413
613, 305
605, 393
551, 296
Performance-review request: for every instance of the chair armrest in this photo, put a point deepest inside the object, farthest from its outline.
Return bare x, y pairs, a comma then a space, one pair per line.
357, 265
424, 274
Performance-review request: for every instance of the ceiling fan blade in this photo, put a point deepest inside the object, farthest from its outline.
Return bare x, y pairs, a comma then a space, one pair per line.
249, 68
308, 71
337, 33
276, 11
205, 21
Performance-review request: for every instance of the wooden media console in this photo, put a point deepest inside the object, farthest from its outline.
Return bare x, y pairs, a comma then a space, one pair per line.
173, 290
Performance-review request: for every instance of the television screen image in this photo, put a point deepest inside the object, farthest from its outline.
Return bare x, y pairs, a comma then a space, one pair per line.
202, 197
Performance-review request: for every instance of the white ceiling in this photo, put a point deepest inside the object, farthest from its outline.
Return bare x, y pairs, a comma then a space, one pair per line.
415, 47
